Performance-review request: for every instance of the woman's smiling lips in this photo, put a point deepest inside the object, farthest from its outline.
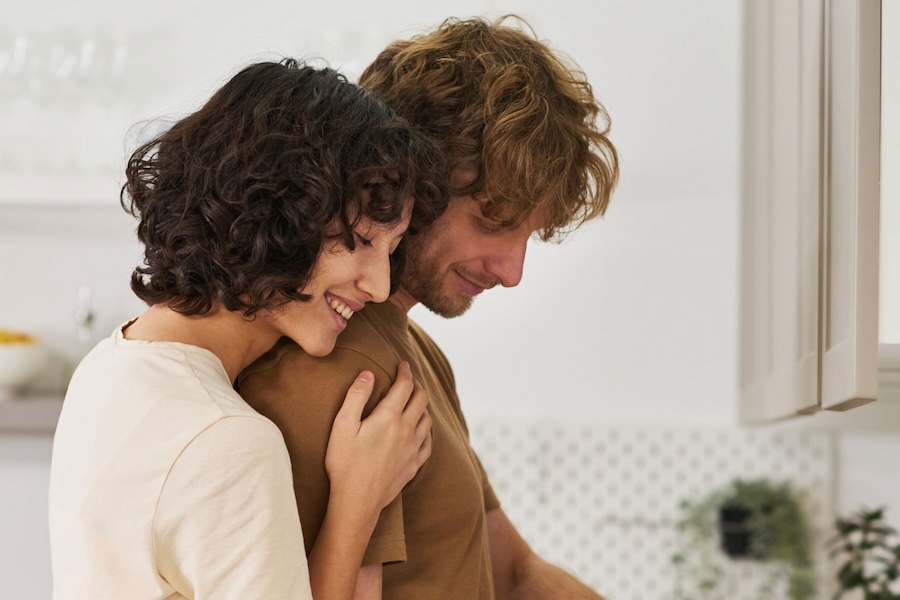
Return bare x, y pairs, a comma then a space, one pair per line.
341, 308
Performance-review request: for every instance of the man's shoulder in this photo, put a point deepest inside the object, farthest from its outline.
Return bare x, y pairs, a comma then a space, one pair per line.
366, 343
420, 335
426, 345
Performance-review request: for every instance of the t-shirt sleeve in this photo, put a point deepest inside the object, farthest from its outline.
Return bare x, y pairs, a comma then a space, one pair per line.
225, 524
302, 395
439, 362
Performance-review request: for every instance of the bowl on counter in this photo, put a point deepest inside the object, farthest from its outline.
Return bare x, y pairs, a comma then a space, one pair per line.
22, 359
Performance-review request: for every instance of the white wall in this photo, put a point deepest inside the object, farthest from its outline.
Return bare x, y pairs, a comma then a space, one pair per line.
890, 175
658, 271
633, 320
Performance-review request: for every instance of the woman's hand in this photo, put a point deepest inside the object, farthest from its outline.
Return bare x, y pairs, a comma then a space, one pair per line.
369, 460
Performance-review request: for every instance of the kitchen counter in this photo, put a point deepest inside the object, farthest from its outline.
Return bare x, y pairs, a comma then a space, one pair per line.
30, 414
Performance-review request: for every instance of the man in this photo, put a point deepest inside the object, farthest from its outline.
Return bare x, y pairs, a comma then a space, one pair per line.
527, 146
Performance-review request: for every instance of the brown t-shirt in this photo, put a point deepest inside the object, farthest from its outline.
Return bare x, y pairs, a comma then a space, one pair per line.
433, 538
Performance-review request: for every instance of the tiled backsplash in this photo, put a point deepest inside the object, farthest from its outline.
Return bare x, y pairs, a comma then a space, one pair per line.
603, 501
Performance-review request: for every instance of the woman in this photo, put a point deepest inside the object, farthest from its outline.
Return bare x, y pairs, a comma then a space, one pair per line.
272, 211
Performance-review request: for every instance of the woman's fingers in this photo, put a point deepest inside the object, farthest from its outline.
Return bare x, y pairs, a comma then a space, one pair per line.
356, 398
398, 396
424, 432
416, 409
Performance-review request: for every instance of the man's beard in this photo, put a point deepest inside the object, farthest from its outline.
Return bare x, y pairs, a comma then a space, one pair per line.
423, 278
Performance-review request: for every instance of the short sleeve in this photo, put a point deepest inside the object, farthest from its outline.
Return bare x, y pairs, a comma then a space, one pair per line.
388, 541
302, 396
225, 525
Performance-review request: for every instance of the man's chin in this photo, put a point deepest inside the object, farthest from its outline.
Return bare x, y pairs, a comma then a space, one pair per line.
437, 295
449, 308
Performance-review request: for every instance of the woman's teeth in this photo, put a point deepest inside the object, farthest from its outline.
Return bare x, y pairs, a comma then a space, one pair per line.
341, 308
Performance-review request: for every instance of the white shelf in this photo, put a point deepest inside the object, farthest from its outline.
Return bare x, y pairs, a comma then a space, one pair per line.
30, 414
57, 190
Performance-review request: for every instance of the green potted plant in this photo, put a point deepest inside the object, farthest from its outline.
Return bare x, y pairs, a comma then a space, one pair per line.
869, 555
756, 520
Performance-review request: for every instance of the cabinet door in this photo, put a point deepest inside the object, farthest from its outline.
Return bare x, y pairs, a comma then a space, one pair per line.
809, 313
850, 265
780, 208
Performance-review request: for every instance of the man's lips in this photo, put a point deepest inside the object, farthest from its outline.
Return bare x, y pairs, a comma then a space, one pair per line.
470, 286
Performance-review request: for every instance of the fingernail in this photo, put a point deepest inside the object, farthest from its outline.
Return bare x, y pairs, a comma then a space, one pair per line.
366, 376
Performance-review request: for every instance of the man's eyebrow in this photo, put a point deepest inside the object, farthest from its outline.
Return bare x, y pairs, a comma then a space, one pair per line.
494, 223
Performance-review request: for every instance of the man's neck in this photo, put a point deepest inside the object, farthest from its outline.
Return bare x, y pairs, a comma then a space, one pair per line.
403, 299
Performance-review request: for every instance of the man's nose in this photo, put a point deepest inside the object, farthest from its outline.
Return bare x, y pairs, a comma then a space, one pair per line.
508, 263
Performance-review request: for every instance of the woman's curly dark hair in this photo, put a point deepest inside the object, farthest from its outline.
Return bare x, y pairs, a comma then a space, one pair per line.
236, 200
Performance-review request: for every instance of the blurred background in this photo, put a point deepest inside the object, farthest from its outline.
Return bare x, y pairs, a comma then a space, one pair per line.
600, 392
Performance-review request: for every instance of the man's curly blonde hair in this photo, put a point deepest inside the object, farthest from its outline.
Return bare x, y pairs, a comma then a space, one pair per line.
498, 100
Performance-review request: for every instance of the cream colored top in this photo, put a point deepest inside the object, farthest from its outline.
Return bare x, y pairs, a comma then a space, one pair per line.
164, 483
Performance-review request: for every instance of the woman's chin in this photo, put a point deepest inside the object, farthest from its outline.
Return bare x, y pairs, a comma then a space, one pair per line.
318, 348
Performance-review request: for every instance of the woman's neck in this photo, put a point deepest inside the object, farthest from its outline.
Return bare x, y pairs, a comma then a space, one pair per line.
235, 340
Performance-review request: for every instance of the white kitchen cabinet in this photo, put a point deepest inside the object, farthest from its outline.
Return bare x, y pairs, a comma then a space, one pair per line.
810, 207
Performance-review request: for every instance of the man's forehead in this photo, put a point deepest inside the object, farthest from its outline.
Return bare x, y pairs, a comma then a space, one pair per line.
541, 216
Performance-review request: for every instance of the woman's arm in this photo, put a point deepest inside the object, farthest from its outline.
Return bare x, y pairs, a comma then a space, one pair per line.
368, 462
